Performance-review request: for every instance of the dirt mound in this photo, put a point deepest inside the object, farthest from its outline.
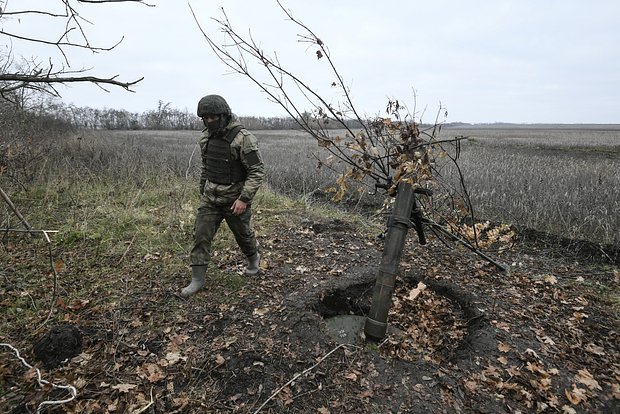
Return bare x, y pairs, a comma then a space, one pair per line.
60, 343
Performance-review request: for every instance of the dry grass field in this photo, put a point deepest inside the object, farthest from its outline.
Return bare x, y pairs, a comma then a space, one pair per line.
561, 180
565, 181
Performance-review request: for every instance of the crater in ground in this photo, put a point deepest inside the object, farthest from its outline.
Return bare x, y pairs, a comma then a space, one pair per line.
432, 321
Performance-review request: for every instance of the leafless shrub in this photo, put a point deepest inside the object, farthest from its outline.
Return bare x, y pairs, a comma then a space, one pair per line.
382, 152
20, 73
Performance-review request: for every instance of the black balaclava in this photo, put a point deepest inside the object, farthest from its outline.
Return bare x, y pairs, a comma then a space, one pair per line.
214, 125
218, 125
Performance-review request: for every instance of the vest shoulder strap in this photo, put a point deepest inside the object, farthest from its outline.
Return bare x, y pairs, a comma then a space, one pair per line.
233, 133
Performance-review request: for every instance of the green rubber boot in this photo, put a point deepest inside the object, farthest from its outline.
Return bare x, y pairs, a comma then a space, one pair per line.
198, 281
253, 265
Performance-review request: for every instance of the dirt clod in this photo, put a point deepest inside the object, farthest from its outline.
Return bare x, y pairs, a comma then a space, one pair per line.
60, 343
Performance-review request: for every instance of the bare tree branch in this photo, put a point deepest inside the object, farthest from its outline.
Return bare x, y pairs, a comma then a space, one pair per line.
27, 79
114, 1
388, 150
33, 75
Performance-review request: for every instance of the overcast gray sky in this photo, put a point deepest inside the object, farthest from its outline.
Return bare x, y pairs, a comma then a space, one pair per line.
525, 61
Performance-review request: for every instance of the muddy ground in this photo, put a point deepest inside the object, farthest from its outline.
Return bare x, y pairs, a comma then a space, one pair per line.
464, 336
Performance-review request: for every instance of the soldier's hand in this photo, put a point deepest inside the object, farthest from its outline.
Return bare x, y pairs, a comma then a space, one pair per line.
238, 207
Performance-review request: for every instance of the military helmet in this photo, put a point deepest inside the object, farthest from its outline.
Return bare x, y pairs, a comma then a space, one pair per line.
213, 104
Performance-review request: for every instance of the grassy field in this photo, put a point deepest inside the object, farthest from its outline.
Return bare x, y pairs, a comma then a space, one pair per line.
558, 180
565, 181
562, 181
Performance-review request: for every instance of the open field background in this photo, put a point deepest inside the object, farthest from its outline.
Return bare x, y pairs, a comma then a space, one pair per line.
563, 181
558, 180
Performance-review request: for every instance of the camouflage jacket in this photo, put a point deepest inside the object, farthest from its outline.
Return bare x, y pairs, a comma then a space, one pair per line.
244, 147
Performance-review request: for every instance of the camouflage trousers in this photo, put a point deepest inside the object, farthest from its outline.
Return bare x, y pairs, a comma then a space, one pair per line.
208, 220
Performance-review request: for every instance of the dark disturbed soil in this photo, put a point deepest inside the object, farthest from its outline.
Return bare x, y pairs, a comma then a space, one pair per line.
465, 336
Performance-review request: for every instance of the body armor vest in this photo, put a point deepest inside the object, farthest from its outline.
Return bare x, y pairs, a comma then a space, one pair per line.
221, 167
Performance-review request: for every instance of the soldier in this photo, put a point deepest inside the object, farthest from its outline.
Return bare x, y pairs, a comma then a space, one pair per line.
232, 172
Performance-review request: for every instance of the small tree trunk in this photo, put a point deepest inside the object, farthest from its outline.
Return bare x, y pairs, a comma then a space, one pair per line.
376, 321
15, 210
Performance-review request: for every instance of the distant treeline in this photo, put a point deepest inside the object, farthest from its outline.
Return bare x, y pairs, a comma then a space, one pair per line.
164, 117
58, 115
